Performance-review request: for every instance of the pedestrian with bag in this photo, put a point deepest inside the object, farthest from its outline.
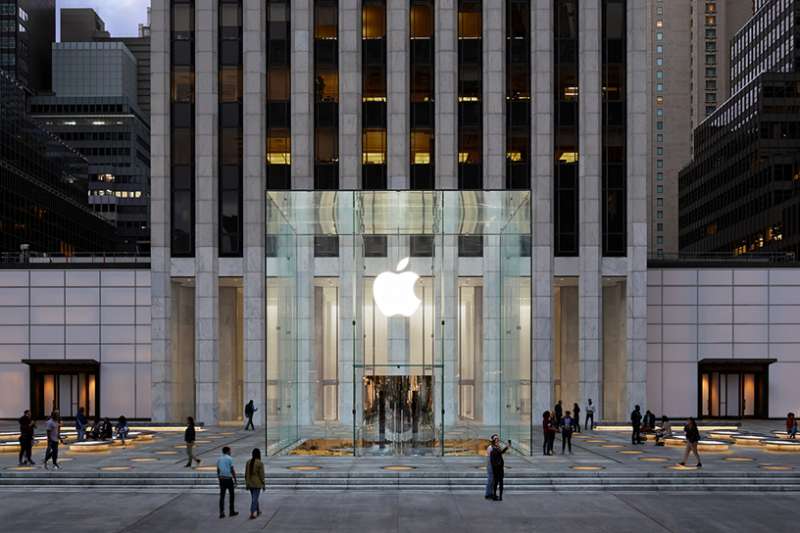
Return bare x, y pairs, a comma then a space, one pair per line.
226, 474
189, 436
249, 411
26, 428
254, 481
692, 438
566, 433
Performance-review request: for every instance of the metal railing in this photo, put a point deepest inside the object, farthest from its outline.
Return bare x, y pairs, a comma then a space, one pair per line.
38, 258
720, 257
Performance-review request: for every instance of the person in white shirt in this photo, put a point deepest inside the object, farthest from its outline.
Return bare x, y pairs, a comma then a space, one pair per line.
589, 415
53, 428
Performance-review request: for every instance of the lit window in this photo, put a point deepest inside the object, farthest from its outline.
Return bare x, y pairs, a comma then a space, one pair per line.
659, 36
659, 24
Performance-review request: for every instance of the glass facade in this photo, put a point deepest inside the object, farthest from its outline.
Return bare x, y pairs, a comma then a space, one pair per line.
182, 128
398, 354
326, 94
421, 79
231, 95
518, 94
470, 94
565, 201
614, 134
278, 51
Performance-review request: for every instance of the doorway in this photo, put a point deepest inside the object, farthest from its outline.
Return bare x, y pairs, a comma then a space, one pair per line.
65, 386
734, 389
398, 415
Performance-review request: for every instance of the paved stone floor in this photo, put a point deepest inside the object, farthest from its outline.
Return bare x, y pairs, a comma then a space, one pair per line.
118, 512
611, 451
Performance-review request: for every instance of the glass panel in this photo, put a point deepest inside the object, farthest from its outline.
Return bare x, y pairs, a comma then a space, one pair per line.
429, 362
732, 399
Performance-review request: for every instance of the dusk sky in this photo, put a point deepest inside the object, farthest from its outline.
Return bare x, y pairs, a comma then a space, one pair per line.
122, 17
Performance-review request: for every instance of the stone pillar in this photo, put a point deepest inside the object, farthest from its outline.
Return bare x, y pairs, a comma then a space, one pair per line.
206, 226
494, 95
542, 216
302, 73
638, 145
254, 265
160, 210
349, 94
589, 172
397, 105
446, 90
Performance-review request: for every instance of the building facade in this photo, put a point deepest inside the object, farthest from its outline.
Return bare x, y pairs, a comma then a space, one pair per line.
690, 59
450, 111
741, 192
44, 184
94, 108
27, 29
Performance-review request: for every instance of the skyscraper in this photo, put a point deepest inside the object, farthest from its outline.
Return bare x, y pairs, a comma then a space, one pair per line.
27, 29
690, 55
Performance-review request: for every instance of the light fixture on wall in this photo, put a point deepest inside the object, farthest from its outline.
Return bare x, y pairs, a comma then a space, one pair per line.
393, 292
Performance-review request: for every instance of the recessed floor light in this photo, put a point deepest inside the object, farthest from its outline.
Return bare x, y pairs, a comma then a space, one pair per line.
399, 468
655, 459
739, 459
303, 468
587, 468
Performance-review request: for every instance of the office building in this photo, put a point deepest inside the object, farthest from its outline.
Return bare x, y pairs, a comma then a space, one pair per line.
43, 188
81, 25
94, 109
690, 56
740, 194
27, 28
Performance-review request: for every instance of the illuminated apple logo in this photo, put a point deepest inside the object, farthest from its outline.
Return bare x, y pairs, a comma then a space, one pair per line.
394, 292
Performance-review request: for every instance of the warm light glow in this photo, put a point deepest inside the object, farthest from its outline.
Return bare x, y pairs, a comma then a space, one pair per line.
514, 156
373, 99
782, 446
90, 447
422, 158
569, 157
468, 99
279, 158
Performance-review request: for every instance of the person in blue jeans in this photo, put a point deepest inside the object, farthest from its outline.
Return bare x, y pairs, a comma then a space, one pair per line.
489, 492
227, 481
80, 423
254, 481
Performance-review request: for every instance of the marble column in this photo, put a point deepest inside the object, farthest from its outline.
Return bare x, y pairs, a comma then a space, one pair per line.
349, 94
542, 216
160, 211
254, 265
302, 94
206, 205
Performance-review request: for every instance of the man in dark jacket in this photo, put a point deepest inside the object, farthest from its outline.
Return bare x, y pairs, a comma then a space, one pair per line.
559, 412
498, 468
636, 423
26, 427
250, 410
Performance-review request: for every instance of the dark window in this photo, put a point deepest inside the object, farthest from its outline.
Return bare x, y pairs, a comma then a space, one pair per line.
230, 129
182, 215
373, 116
470, 108
421, 84
470, 245
614, 178
326, 94
566, 188
421, 246
375, 246
326, 246
518, 94
278, 110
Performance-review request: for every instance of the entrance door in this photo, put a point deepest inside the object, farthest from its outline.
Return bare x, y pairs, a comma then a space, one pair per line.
398, 415
733, 389
64, 387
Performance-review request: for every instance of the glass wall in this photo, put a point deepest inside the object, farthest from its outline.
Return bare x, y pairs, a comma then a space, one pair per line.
399, 352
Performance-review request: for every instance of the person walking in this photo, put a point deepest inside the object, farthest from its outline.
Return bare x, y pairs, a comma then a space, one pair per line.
576, 417
692, 438
559, 413
488, 492
226, 474
80, 424
791, 426
122, 428
189, 436
250, 410
53, 428
566, 433
636, 424
26, 427
549, 430
254, 481
498, 467
589, 415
